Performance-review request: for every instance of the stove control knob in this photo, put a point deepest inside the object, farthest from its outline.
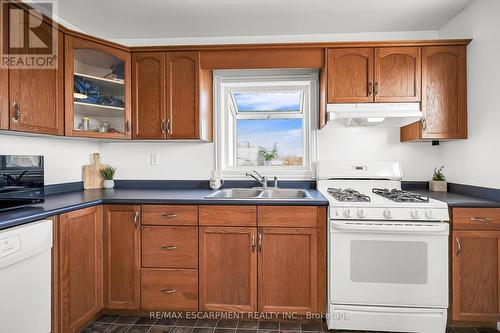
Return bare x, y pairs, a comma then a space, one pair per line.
387, 213
347, 213
428, 214
361, 213
414, 214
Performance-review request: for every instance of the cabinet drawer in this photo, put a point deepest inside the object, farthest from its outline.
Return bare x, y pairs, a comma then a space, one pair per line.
169, 215
288, 216
238, 216
170, 247
476, 218
169, 289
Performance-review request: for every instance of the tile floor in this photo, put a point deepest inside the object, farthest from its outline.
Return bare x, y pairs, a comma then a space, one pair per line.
133, 324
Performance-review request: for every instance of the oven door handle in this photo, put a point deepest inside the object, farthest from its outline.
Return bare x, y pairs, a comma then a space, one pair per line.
393, 227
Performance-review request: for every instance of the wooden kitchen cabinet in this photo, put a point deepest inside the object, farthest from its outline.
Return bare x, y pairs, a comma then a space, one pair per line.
291, 255
36, 100
475, 275
365, 75
80, 267
122, 247
444, 95
172, 96
149, 102
350, 75
228, 269
397, 74
105, 102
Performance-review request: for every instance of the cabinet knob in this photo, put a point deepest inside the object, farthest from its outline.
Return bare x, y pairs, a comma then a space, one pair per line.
370, 88
375, 89
424, 124
163, 126
127, 126
136, 220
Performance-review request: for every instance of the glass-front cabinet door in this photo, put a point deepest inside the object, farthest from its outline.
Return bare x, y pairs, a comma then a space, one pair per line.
97, 90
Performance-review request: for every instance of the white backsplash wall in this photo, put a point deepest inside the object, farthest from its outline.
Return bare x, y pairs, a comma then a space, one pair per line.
476, 161
64, 157
181, 160
364, 143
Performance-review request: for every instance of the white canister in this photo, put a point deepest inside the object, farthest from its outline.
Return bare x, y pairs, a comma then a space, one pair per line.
216, 181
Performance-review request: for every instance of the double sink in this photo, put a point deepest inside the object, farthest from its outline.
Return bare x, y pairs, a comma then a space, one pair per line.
260, 194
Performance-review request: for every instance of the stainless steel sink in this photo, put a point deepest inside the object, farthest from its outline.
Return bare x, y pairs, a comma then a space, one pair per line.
235, 193
260, 194
284, 194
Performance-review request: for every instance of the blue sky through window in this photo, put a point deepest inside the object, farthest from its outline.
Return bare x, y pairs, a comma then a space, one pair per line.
290, 101
284, 135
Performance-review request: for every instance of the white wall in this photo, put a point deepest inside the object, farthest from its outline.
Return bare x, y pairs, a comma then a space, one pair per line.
476, 161
418, 159
182, 160
64, 157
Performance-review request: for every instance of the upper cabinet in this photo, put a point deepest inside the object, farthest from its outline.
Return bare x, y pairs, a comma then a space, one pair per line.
172, 96
350, 75
149, 104
33, 95
365, 75
97, 90
397, 74
444, 95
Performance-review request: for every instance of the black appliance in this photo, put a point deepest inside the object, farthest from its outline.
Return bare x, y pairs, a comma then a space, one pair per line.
21, 181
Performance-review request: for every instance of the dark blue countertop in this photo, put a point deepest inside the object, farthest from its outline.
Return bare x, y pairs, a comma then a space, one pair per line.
64, 202
454, 199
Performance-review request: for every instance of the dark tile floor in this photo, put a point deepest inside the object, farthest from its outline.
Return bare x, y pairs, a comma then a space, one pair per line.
133, 324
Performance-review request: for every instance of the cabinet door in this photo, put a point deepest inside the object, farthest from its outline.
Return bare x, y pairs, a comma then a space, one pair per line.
148, 86
4, 76
228, 269
397, 74
475, 277
350, 75
80, 254
444, 92
291, 255
36, 95
97, 89
122, 257
183, 95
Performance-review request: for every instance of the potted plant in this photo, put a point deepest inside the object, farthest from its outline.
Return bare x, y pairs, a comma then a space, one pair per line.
438, 182
268, 156
108, 174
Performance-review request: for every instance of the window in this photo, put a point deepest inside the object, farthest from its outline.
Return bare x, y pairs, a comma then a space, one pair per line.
264, 122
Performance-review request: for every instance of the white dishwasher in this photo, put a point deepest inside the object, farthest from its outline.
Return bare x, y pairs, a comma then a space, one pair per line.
25, 278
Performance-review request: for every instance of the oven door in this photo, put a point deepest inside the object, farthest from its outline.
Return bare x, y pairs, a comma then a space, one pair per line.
389, 263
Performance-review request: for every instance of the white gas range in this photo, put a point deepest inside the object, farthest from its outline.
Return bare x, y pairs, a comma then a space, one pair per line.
388, 250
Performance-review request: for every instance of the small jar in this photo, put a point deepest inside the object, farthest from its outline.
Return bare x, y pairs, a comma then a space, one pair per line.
85, 123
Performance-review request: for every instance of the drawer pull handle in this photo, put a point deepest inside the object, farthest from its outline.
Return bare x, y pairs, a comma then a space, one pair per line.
169, 247
169, 215
481, 219
168, 291
459, 246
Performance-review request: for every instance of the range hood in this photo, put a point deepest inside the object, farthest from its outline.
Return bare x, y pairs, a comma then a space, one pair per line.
374, 114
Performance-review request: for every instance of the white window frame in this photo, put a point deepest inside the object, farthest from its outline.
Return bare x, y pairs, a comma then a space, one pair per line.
228, 81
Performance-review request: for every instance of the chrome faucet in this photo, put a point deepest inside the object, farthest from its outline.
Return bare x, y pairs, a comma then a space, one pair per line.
258, 177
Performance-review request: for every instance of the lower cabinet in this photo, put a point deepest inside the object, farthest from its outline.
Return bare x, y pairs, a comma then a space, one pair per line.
122, 257
287, 270
228, 269
169, 289
273, 268
475, 252
80, 267
476, 273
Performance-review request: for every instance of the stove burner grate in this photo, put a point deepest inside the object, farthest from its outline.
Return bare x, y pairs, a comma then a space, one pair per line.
400, 195
348, 195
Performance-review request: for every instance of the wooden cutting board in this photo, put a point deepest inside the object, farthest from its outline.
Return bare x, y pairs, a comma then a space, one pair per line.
91, 176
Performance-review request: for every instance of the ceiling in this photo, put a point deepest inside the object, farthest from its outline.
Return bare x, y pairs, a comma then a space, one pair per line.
148, 19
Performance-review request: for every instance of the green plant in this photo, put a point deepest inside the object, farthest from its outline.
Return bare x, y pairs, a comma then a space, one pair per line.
438, 174
268, 155
107, 173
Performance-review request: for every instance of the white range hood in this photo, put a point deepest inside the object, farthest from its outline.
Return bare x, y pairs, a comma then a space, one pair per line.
374, 114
